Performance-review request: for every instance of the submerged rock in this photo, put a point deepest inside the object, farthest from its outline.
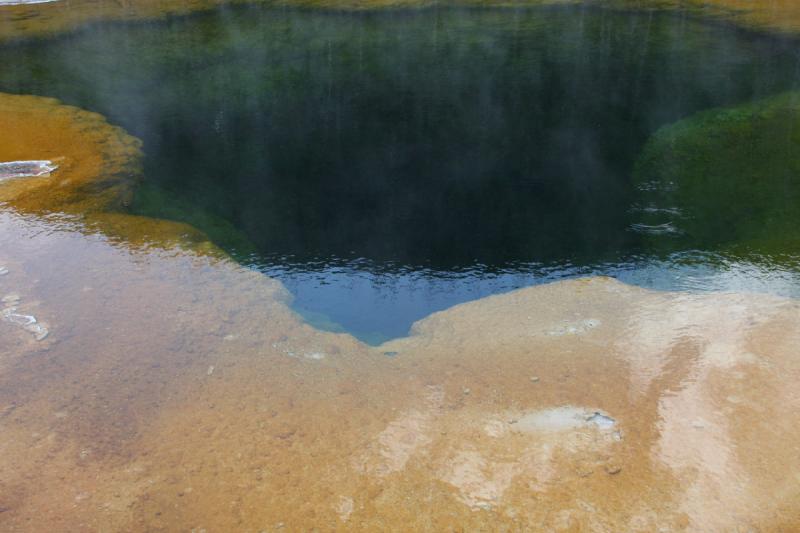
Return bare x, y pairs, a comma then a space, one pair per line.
10, 316
10, 299
601, 421
26, 322
25, 169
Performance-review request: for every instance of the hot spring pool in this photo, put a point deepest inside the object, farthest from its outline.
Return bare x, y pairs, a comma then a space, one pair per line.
387, 165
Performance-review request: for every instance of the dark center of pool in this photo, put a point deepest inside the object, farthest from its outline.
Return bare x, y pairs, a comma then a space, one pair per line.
386, 165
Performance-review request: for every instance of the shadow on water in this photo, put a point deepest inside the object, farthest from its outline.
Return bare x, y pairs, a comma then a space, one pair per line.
385, 165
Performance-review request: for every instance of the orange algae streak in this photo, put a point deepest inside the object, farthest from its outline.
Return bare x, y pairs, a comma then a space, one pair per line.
771, 15
38, 19
97, 163
781, 15
98, 167
20, 21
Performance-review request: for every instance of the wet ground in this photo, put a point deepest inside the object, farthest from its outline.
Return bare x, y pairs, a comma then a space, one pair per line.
176, 390
177, 393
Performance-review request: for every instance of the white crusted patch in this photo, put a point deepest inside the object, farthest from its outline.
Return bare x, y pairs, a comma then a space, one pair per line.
344, 508
575, 328
561, 419
24, 2
25, 169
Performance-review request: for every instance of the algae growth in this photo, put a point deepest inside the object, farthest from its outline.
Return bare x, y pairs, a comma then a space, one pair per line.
26, 19
97, 163
735, 173
93, 169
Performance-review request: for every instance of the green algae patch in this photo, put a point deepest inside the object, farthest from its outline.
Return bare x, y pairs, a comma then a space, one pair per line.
156, 203
734, 172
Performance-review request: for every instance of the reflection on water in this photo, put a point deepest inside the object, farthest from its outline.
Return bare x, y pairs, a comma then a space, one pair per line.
388, 165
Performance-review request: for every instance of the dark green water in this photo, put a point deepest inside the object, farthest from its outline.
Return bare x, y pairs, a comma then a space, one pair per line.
387, 165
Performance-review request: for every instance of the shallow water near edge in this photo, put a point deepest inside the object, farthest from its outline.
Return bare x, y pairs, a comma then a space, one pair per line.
178, 392
388, 165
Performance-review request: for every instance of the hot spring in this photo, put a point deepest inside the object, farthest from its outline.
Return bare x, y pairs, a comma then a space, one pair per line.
386, 165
